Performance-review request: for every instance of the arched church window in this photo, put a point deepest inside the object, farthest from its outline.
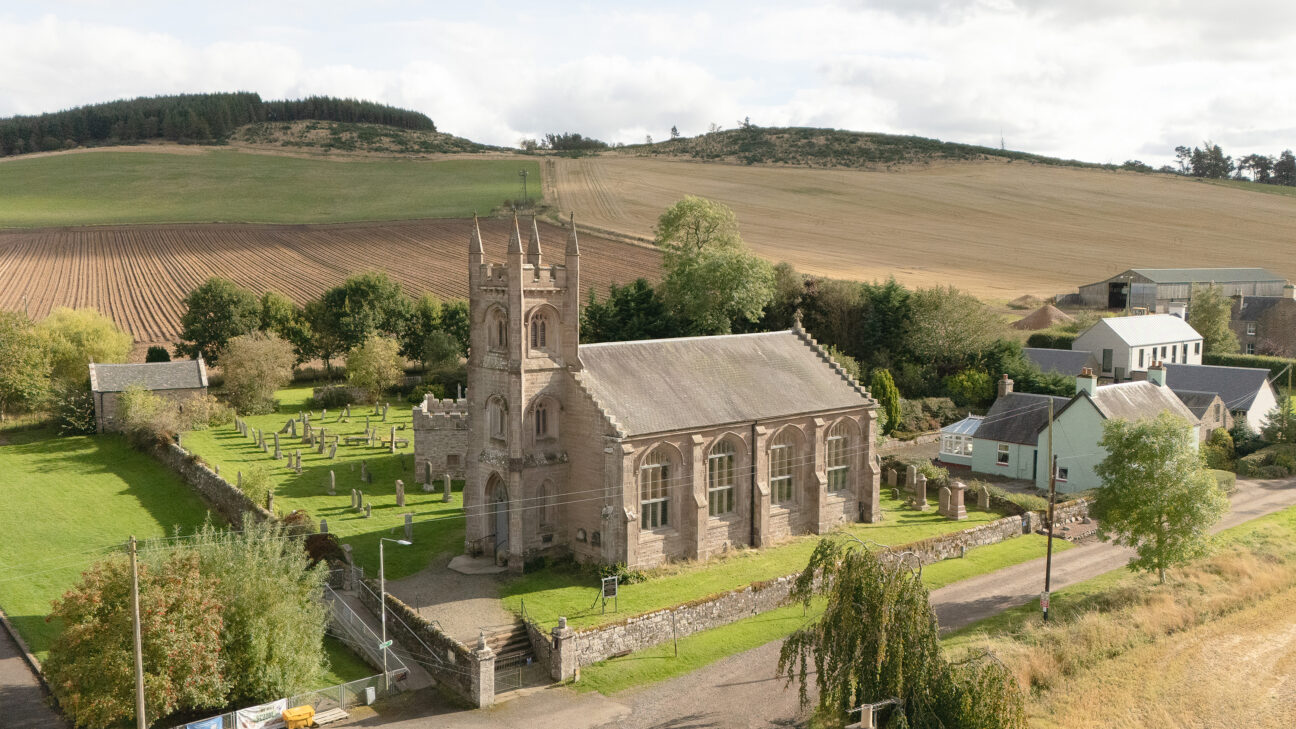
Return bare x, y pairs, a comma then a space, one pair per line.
782, 455
838, 457
654, 491
720, 479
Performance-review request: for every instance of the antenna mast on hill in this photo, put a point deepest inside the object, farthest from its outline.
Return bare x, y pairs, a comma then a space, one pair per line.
1001, 140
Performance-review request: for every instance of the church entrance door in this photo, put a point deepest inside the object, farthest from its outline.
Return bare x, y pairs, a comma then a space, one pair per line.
500, 507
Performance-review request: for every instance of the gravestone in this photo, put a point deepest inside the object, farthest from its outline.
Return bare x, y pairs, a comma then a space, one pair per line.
429, 483
955, 509
446, 493
911, 483
333, 450
354, 503
306, 433
368, 510
270, 501
323, 526
323, 415
360, 502
983, 496
393, 439
920, 492
240, 480
347, 413
278, 453
400, 493
178, 443
298, 468
895, 494
891, 477
385, 406
332, 483
943, 504
409, 527
370, 434
292, 428
364, 471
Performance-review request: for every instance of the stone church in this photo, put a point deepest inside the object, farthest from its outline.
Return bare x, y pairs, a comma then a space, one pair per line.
639, 452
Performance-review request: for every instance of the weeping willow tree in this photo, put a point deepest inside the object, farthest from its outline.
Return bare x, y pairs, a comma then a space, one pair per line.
878, 639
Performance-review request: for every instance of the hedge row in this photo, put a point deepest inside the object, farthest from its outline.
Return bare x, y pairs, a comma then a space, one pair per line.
1275, 365
1050, 340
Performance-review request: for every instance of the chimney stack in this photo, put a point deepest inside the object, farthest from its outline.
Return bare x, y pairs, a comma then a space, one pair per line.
1156, 374
1005, 385
1086, 382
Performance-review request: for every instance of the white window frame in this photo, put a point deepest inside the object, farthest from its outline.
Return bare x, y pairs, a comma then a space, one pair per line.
782, 474
1062, 474
1250, 347
1003, 455
654, 493
721, 479
1251, 329
837, 458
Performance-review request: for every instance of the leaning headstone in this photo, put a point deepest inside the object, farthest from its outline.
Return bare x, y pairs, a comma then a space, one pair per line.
292, 428
323, 526
409, 527
333, 450
446, 494
400, 493
393, 440
332, 483
368, 510
240, 480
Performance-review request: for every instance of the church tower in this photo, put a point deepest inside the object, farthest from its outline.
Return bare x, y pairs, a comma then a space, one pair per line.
525, 331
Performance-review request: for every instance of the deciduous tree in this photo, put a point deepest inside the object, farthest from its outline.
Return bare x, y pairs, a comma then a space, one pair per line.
77, 337
711, 288
950, 328
365, 305
255, 366
1156, 494
696, 223
216, 312
1209, 312
375, 365
877, 639
24, 363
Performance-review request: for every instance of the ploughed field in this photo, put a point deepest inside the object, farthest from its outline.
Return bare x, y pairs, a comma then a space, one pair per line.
139, 275
993, 228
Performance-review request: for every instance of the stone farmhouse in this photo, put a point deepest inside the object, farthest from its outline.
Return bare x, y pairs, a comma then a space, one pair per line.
1266, 324
647, 451
1011, 440
176, 381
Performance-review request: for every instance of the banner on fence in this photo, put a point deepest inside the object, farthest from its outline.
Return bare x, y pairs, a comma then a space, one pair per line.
265, 716
216, 722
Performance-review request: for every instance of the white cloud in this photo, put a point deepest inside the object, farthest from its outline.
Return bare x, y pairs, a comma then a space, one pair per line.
1101, 81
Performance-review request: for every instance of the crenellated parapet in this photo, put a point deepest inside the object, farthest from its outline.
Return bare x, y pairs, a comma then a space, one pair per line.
442, 414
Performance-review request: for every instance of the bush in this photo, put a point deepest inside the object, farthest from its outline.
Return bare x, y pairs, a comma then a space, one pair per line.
375, 366
1275, 365
1227, 480
1245, 440
74, 409
256, 483
1275, 461
970, 388
157, 354
337, 396
1218, 450
1051, 339
626, 575
1028, 502
420, 391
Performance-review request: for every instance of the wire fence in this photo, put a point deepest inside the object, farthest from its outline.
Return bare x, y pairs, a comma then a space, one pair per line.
343, 696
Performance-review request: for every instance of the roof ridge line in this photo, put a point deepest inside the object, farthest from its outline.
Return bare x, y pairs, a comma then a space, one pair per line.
685, 339
809, 340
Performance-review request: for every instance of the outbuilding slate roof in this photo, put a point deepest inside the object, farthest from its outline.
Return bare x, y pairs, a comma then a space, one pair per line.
179, 375
1064, 361
660, 385
1236, 386
1197, 402
1135, 401
1017, 417
1138, 331
1254, 307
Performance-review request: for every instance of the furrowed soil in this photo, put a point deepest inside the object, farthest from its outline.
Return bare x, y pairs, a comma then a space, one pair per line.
996, 229
139, 275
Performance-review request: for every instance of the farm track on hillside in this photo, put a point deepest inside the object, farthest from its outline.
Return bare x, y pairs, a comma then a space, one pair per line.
139, 275
993, 228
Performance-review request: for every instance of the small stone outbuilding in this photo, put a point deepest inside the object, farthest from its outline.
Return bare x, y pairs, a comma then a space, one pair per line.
177, 381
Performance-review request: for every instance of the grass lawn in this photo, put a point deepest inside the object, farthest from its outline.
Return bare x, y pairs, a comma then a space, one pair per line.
223, 185
552, 593
660, 662
67, 501
438, 527
344, 665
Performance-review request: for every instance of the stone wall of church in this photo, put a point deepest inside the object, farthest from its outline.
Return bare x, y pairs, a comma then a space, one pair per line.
440, 439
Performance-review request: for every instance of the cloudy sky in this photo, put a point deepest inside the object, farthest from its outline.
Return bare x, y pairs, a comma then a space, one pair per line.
1098, 80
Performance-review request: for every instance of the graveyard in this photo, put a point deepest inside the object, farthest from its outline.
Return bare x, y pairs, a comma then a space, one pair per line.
343, 458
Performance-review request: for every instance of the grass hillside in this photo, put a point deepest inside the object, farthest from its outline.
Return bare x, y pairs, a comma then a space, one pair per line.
815, 147
330, 136
202, 184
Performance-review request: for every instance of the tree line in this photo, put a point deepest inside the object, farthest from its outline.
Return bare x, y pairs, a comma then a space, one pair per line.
1210, 162
185, 117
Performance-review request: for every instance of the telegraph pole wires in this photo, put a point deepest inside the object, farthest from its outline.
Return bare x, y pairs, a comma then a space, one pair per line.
1048, 557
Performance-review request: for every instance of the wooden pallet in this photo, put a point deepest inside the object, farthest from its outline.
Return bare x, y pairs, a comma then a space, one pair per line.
330, 716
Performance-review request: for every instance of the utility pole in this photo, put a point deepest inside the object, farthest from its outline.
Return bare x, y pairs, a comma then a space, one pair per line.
139, 645
1048, 557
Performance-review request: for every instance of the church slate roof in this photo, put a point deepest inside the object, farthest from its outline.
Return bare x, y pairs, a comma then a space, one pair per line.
179, 375
661, 385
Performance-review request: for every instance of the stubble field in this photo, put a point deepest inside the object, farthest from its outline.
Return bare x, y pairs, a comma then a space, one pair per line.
139, 275
993, 228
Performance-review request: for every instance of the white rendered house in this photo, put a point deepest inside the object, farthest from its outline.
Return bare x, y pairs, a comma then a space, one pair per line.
1128, 344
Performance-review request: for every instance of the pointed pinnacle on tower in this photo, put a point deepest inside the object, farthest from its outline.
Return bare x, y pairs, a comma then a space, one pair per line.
474, 239
515, 238
573, 249
533, 244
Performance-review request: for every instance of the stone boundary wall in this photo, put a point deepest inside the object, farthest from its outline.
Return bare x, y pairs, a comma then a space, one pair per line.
456, 667
642, 631
220, 494
1077, 510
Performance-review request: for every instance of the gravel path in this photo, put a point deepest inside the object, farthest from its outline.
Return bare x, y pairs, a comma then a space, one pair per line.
462, 604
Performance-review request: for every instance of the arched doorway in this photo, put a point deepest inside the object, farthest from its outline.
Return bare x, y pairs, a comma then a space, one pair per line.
497, 494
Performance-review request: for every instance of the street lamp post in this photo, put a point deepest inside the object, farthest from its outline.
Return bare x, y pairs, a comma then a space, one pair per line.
382, 610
